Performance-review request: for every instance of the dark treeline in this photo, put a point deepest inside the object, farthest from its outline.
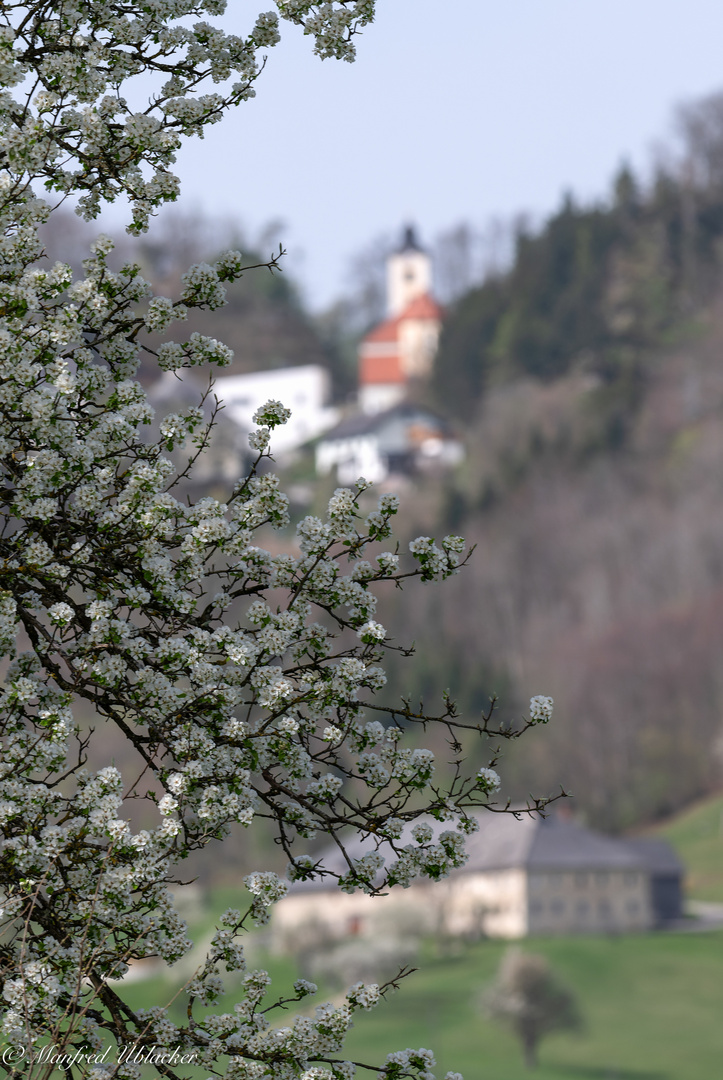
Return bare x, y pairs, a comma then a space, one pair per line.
597, 286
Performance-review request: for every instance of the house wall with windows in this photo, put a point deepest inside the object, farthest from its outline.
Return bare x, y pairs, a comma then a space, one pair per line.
493, 904
588, 901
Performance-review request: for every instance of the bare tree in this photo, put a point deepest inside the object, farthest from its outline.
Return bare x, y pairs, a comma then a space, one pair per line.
700, 124
368, 282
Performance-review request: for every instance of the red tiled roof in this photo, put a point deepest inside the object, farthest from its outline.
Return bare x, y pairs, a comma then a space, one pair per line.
386, 331
384, 364
422, 307
381, 369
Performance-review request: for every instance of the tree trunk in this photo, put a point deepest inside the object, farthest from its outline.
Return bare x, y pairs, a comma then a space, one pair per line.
529, 1044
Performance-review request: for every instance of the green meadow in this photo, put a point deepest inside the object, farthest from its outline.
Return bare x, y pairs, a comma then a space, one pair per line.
652, 1006
697, 836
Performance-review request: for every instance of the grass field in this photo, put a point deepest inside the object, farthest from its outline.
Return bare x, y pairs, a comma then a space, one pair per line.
652, 1006
697, 836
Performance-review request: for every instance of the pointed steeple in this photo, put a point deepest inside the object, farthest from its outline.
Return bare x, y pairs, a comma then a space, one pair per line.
409, 241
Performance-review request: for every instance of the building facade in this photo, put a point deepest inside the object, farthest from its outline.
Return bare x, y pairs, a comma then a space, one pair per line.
305, 390
524, 876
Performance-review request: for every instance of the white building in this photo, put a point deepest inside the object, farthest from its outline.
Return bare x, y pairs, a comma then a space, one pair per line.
304, 390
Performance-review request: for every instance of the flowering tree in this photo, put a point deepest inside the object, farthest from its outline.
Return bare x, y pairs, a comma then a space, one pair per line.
243, 681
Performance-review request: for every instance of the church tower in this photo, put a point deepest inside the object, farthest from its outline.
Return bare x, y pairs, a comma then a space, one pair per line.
401, 350
409, 274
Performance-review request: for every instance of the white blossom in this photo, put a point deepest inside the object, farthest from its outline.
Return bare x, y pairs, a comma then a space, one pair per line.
371, 631
541, 708
489, 780
61, 614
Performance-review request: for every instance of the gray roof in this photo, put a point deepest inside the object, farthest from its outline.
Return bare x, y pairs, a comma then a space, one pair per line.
564, 845
657, 854
505, 842
405, 412
359, 424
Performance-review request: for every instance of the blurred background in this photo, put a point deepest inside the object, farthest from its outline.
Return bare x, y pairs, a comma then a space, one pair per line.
503, 298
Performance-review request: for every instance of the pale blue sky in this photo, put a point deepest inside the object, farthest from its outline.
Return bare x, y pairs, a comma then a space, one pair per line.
462, 109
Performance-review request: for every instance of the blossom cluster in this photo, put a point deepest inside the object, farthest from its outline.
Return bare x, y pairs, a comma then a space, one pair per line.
541, 709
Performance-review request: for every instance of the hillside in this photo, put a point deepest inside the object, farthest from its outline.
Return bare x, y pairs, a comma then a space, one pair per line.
598, 579
697, 836
590, 384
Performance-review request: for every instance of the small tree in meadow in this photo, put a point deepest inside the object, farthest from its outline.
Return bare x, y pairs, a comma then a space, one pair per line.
528, 997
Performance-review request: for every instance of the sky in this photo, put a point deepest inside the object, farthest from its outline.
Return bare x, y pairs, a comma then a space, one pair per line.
462, 110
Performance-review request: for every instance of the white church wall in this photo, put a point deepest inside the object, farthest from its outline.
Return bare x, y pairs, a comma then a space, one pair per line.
418, 341
409, 275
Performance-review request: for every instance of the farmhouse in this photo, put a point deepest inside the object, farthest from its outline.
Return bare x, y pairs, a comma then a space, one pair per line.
526, 875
